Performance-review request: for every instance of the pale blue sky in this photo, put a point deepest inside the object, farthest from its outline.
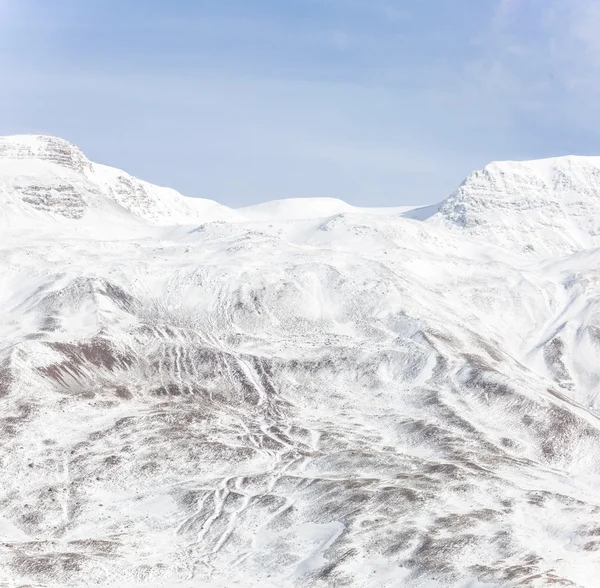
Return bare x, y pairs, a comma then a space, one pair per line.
377, 102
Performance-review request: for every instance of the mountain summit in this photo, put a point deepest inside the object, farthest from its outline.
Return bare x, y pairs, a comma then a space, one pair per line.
544, 207
50, 175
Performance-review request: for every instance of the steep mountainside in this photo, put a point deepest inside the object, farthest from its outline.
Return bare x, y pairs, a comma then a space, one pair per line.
50, 175
296, 394
544, 208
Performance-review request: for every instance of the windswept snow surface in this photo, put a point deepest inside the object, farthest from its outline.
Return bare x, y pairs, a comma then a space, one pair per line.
300, 393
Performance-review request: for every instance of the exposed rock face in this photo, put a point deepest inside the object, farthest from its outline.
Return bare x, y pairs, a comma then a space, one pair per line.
341, 399
547, 207
51, 175
42, 148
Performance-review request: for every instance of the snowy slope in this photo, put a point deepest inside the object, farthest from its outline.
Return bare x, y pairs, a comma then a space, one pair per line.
50, 175
543, 208
302, 208
301, 394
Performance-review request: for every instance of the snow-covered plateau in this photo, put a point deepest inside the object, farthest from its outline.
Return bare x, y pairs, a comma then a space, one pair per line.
301, 393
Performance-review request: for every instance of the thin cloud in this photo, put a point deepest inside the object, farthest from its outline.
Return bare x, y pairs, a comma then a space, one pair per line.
395, 15
504, 11
341, 40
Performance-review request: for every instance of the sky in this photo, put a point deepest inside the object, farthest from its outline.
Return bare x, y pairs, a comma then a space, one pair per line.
376, 102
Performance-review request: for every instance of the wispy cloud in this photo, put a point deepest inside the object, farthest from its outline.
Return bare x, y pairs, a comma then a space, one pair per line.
341, 40
504, 11
541, 52
394, 14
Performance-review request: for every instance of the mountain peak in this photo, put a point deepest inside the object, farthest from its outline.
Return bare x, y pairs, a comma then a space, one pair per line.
49, 175
46, 148
546, 207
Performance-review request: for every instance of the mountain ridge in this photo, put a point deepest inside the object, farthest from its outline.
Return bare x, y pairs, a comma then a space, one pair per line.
53, 175
538, 208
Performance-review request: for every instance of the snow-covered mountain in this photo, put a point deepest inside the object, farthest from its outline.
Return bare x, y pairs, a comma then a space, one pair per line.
49, 175
546, 207
301, 393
